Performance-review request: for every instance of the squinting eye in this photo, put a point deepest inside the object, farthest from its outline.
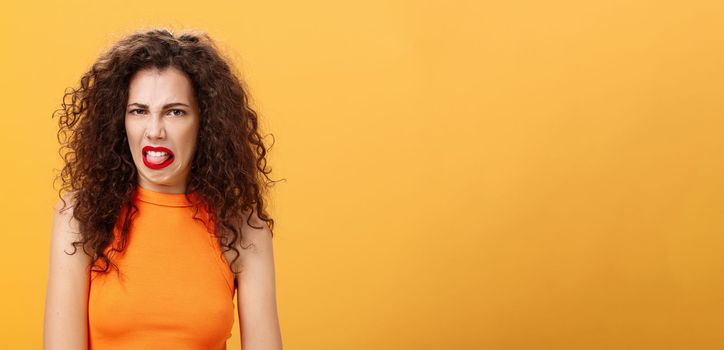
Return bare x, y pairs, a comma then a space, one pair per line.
182, 112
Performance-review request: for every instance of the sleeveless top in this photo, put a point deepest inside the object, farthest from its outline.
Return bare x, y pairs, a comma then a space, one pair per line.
175, 289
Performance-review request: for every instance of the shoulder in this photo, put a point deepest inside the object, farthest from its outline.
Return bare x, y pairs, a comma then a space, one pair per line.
254, 228
256, 238
65, 232
65, 227
64, 208
65, 204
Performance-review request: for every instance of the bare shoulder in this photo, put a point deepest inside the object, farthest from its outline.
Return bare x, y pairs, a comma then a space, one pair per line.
255, 242
63, 214
65, 228
65, 203
255, 230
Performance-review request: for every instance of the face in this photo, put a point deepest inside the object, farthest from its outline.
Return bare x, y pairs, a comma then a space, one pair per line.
162, 124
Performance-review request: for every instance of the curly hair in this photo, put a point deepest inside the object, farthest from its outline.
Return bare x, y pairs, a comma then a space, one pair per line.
229, 169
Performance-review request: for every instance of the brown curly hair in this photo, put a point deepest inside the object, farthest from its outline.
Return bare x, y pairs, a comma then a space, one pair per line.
229, 169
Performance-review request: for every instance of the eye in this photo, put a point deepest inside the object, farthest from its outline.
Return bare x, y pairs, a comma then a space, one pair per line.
180, 112
134, 110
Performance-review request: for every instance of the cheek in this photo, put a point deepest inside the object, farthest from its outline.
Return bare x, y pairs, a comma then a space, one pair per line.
189, 149
132, 136
190, 142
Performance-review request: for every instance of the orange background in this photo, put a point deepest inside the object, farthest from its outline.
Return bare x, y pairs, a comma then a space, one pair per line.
459, 175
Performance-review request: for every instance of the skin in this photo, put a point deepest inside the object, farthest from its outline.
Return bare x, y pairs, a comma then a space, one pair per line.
66, 301
175, 127
162, 111
256, 293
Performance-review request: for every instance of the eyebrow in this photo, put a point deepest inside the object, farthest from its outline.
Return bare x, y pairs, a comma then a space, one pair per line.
164, 107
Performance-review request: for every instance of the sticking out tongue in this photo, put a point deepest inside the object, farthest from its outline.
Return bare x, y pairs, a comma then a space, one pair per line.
156, 159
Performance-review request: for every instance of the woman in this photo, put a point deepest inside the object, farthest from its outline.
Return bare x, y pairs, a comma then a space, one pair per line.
165, 177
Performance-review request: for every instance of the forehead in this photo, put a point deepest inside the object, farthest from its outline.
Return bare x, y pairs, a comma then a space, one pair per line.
152, 86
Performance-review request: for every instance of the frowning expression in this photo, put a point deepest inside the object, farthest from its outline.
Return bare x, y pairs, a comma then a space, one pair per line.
162, 123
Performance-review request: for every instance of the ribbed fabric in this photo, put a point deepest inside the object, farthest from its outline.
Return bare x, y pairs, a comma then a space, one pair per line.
175, 290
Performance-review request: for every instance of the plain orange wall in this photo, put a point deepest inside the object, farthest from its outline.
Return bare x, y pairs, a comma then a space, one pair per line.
460, 174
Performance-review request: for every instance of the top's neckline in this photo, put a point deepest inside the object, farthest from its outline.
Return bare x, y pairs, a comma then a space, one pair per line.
164, 199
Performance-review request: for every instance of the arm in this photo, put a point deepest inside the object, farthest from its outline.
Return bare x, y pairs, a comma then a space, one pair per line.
66, 300
256, 293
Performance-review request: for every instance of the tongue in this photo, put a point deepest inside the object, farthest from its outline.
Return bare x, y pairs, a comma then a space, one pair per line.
156, 159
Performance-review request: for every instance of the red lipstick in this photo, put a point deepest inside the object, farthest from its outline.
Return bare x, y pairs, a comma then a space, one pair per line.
162, 165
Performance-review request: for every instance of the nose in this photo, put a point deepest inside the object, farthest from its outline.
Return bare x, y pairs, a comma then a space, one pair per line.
155, 129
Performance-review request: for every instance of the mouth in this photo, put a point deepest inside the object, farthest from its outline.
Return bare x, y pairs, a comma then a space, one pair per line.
157, 157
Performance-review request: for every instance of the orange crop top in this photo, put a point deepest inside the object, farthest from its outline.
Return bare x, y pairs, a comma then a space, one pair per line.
175, 289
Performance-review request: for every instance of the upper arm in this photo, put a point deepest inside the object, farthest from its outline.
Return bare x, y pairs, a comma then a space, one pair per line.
256, 291
66, 300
